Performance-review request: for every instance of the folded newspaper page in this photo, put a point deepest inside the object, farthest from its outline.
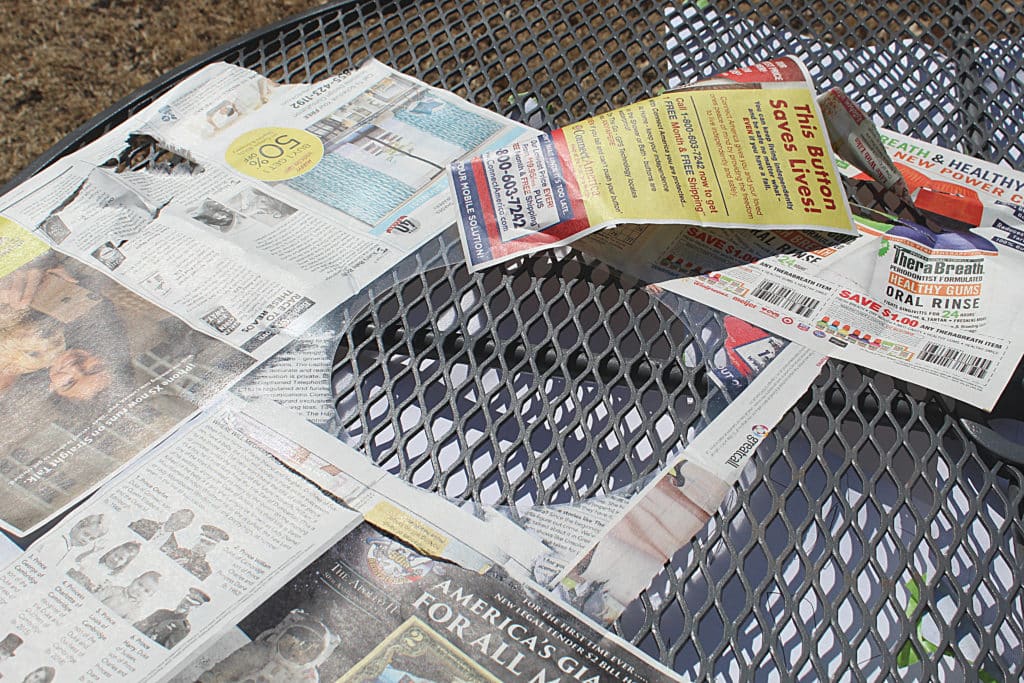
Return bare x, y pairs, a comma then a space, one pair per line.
932, 305
147, 292
372, 609
147, 570
153, 574
745, 149
90, 375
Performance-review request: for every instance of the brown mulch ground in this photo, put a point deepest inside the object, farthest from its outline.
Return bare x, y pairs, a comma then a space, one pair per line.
67, 60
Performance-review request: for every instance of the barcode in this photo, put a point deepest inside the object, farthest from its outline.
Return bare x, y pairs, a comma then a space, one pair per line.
975, 366
784, 297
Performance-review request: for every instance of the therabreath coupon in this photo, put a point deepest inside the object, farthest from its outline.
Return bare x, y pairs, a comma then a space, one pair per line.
747, 149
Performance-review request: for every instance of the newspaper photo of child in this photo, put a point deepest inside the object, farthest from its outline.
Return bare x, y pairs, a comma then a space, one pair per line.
127, 601
110, 564
140, 577
31, 341
85, 534
90, 374
119, 557
44, 674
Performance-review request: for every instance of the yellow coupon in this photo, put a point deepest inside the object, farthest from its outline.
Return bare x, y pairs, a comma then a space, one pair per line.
733, 157
421, 536
17, 246
274, 153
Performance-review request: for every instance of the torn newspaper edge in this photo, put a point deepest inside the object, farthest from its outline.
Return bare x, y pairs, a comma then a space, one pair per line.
608, 574
220, 253
747, 149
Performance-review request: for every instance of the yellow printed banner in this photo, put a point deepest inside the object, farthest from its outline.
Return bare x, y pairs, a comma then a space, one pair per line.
747, 149
741, 156
17, 246
385, 515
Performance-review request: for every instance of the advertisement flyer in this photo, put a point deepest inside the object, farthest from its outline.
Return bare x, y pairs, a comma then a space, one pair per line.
931, 304
747, 149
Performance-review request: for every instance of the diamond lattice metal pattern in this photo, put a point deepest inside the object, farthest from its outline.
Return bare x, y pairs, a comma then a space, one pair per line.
802, 575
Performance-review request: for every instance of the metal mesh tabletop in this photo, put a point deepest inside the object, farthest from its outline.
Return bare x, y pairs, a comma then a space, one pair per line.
803, 573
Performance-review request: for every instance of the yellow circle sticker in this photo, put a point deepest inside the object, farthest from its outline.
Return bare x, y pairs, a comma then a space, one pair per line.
275, 153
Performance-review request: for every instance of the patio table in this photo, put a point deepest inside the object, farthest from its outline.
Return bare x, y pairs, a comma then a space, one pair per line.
880, 518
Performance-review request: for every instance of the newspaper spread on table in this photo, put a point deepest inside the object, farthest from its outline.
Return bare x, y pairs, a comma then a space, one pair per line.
239, 568
162, 326
205, 271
